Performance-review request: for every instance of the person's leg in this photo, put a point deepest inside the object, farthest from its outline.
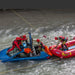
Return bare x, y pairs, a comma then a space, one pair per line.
11, 48
66, 47
10, 51
36, 49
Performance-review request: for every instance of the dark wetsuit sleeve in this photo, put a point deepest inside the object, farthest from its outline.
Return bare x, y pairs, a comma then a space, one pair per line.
63, 46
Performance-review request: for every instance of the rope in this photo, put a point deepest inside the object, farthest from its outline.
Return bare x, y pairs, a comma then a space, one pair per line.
22, 17
3, 72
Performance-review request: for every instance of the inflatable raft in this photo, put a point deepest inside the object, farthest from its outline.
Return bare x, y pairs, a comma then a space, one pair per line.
5, 58
64, 54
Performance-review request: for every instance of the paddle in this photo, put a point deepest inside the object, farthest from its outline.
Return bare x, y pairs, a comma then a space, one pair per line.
30, 39
31, 43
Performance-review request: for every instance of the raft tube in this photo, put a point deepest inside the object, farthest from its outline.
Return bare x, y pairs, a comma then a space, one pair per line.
64, 54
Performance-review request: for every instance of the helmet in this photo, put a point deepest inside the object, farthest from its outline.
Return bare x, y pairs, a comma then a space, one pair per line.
24, 37
56, 38
61, 37
18, 38
37, 40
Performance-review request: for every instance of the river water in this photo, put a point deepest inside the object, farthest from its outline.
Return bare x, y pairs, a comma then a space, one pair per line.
39, 22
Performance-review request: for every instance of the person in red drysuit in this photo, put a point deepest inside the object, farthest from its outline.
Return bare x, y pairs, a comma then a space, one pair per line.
17, 42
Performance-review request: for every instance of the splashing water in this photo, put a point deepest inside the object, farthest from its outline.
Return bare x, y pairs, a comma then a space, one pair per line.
50, 24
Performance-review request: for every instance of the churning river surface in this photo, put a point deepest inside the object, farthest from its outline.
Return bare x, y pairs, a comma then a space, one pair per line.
40, 22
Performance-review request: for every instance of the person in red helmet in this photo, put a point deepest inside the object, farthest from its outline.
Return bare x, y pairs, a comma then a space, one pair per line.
39, 47
16, 45
40, 43
63, 40
24, 38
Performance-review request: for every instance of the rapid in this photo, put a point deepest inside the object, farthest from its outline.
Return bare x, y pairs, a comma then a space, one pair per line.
39, 22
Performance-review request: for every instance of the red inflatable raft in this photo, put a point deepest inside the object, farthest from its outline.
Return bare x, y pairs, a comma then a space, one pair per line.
64, 54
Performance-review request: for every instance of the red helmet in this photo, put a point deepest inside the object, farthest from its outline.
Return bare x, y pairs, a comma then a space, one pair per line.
73, 38
37, 40
61, 37
18, 38
24, 37
56, 38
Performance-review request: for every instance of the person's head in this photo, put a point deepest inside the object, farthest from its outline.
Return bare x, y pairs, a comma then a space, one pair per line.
60, 38
56, 38
24, 38
38, 40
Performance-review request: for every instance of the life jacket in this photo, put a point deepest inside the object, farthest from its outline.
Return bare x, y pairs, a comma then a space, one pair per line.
48, 51
27, 50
